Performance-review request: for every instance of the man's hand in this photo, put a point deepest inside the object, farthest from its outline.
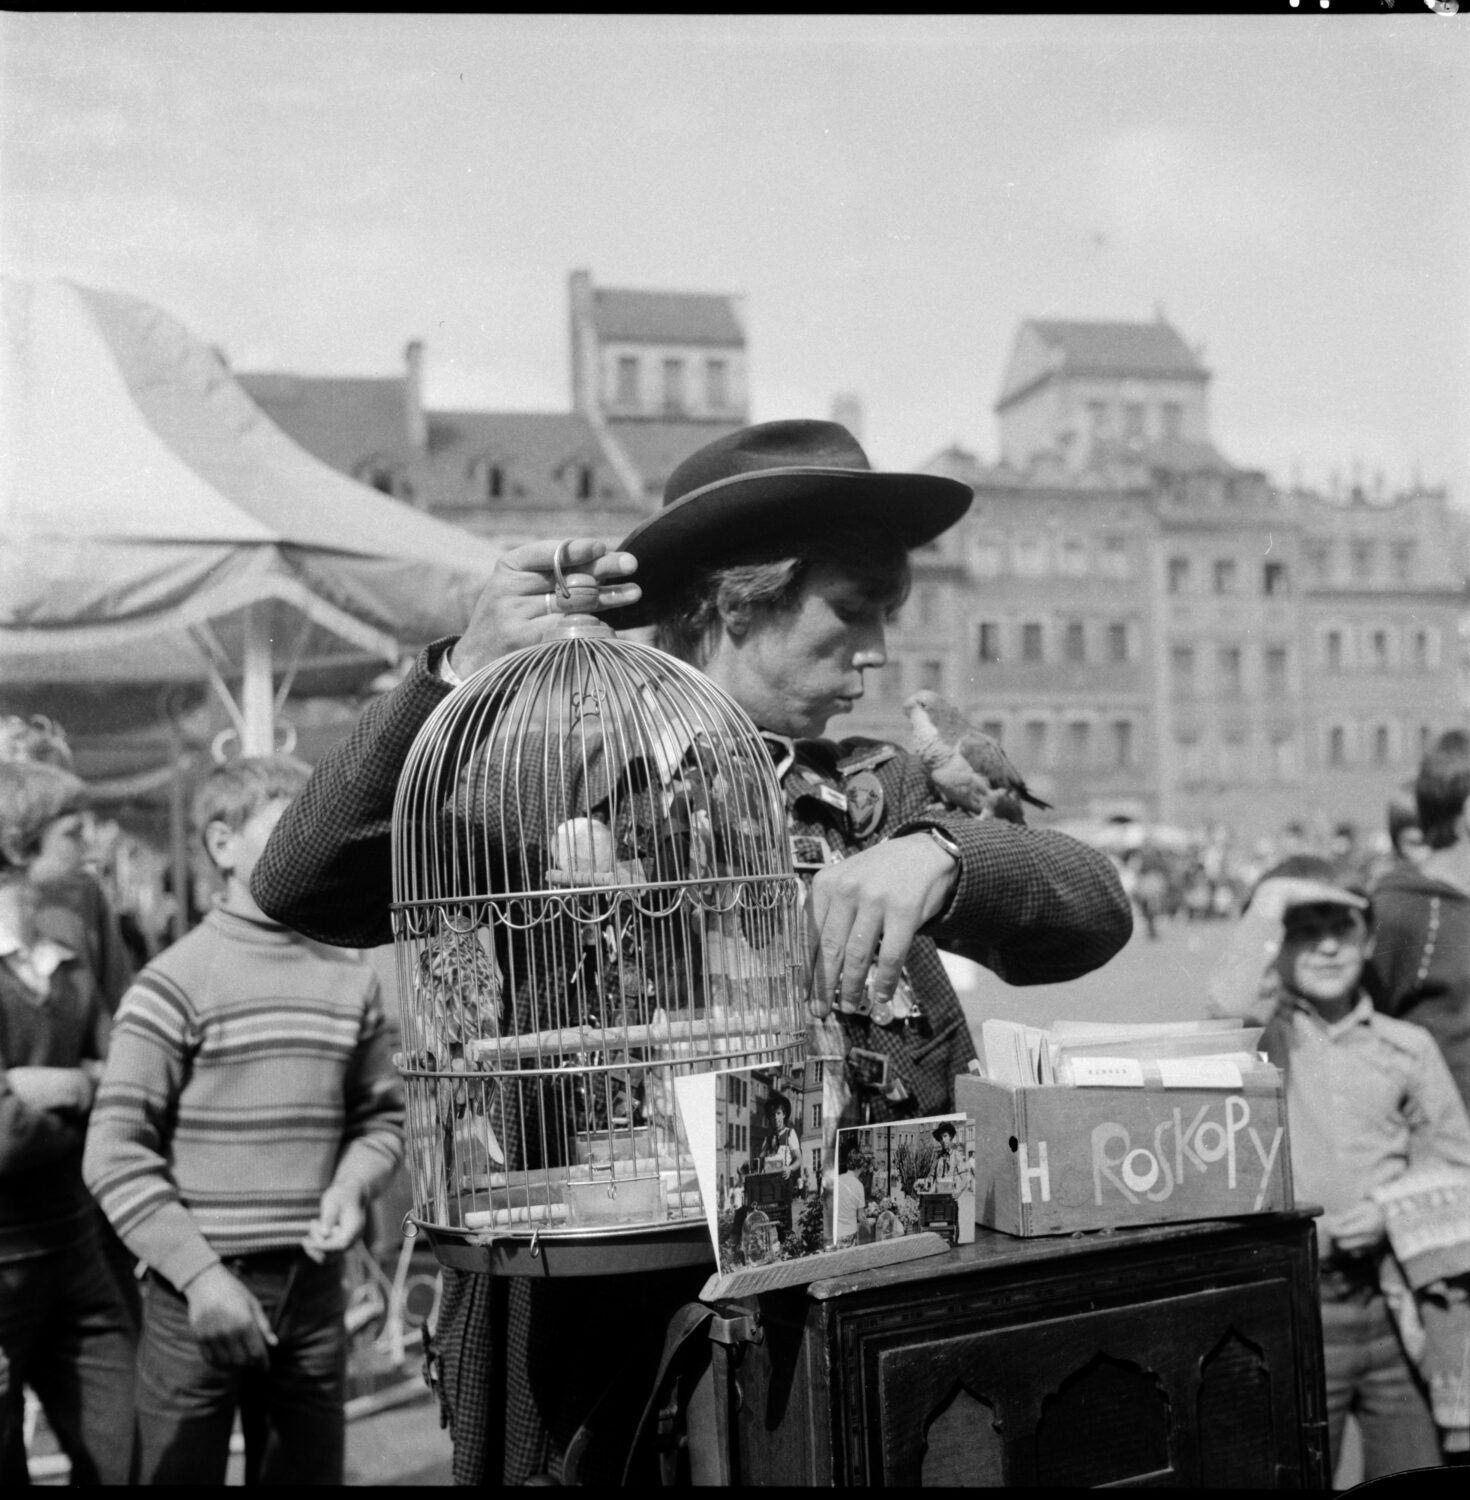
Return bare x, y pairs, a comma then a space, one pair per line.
874, 903
520, 607
60, 1089
339, 1220
229, 1323
1273, 898
1358, 1229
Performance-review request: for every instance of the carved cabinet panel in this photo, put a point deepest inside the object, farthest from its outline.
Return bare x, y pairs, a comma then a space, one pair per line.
1183, 1356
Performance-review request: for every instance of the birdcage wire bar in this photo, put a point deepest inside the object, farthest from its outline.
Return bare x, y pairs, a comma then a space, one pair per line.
593, 895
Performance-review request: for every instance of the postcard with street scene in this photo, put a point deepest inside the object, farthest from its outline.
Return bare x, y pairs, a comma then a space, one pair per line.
904, 1177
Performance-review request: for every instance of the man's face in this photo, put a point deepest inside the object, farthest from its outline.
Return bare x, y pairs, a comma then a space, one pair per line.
1323, 951
793, 672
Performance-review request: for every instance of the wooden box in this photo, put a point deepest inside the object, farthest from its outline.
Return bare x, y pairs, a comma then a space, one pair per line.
1184, 1355
1054, 1159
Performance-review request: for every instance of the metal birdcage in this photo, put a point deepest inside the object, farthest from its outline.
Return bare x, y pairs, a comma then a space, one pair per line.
593, 895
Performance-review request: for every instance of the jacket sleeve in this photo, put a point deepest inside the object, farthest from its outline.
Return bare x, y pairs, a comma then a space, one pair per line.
327, 870
1439, 1130
1034, 906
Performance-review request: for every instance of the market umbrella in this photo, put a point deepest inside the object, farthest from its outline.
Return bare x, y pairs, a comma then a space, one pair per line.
159, 529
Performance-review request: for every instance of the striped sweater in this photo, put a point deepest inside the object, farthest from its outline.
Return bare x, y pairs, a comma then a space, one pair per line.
250, 1068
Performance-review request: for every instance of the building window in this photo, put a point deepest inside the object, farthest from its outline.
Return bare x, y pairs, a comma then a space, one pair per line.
925, 600
1097, 419
1318, 561
1378, 650
1079, 742
1031, 642
491, 479
1074, 557
1181, 662
1362, 561
1273, 580
987, 646
1178, 575
1173, 420
1425, 650
1276, 685
996, 729
1403, 562
716, 384
1283, 756
627, 389
1225, 575
931, 676
1426, 737
1118, 642
584, 481
1133, 421
1334, 656
1233, 755
1191, 759
816, 1117
1031, 556
1230, 674
674, 385
1074, 642
1114, 563
1036, 742
986, 559
1123, 744
1337, 746
1381, 745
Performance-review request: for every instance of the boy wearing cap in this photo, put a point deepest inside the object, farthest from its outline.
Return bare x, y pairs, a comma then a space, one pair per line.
1368, 1099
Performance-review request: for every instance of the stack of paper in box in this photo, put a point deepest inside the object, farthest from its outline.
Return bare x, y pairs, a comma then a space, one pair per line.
1085, 1125
1174, 1054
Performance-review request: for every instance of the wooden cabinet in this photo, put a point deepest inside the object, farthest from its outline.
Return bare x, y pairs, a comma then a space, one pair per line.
1183, 1354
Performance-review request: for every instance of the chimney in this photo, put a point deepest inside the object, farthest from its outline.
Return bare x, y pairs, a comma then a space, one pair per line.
585, 383
415, 422
847, 409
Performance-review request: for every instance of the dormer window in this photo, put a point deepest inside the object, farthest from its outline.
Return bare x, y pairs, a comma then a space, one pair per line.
627, 388
584, 481
716, 384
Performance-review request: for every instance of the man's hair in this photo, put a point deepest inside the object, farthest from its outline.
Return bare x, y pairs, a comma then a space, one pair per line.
1441, 787
766, 585
36, 739
231, 794
33, 795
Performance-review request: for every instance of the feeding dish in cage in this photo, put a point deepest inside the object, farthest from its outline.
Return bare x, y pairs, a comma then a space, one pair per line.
593, 895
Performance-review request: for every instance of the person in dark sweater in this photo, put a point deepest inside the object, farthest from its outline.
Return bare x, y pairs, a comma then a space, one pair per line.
1420, 969
64, 1329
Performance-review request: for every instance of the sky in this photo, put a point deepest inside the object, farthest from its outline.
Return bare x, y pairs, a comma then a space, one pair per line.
891, 196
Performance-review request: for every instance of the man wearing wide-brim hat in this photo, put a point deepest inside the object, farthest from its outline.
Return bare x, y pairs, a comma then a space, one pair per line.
774, 565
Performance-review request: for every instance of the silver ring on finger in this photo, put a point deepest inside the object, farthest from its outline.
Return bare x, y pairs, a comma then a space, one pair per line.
551, 604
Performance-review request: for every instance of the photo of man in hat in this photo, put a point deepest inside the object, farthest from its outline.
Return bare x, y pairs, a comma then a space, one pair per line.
774, 566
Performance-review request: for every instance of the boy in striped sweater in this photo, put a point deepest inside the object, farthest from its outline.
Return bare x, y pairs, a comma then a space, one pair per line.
249, 1112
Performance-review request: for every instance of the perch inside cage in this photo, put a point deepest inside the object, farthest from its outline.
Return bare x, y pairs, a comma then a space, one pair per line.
593, 895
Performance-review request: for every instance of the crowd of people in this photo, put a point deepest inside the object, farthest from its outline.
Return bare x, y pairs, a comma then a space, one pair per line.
220, 1112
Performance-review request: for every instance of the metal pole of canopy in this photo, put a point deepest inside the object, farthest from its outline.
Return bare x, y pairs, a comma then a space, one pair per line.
257, 694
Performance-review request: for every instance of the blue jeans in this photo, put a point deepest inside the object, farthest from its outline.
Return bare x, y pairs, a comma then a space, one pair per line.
291, 1413
65, 1332
1369, 1374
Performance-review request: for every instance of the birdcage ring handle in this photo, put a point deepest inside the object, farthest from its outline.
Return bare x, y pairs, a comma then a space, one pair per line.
563, 590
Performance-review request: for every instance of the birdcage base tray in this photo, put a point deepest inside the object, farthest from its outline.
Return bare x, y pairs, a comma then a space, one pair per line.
565, 1254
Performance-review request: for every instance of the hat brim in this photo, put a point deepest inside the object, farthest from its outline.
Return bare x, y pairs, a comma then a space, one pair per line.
755, 515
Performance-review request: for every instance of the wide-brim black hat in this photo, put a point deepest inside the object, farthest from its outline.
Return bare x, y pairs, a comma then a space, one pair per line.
944, 1128
761, 491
